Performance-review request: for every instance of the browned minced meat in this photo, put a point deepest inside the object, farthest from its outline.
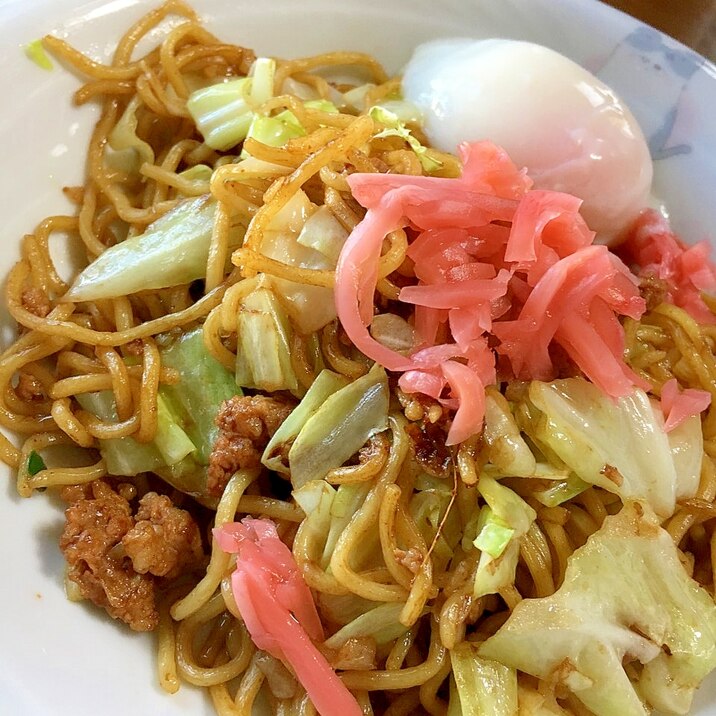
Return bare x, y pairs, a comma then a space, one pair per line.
165, 540
428, 444
36, 301
29, 388
135, 347
654, 291
102, 540
246, 424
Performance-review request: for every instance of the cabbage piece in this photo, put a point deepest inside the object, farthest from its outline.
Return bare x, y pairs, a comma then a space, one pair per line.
381, 623
503, 523
263, 354
340, 427
221, 113
123, 137
484, 688
262, 75
493, 533
686, 443
328, 512
561, 491
404, 110
533, 703
186, 411
506, 448
346, 503
260, 168
394, 127
356, 98
274, 131
625, 596
199, 172
310, 307
123, 456
323, 233
326, 383
204, 384
619, 445
394, 332
323, 105
173, 250
428, 507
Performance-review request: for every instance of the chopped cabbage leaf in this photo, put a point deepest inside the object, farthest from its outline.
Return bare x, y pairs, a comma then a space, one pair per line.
561, 491
625, 597
323, 105
262, 75
123, 137
340, 427
533, 703
204, 384
310, 307
506, 448
326, 384
619, 445
199, 172
123, 456
328, 512
186, 411
274, 131
323, 233
507, 519
493, 533
172, 251
394, 127
484, 688
263, 354
686, 442
222, 113
381, 623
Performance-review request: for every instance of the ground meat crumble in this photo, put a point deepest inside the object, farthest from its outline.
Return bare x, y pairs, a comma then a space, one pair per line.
36, 301
246, 424
116, 558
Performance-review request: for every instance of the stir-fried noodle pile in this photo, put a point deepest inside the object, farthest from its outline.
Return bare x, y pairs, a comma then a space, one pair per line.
403, 546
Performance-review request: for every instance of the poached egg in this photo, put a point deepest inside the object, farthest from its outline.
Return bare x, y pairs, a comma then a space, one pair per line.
570, 130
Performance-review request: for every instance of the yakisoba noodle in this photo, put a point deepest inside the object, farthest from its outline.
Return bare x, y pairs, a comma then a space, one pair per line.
65, 350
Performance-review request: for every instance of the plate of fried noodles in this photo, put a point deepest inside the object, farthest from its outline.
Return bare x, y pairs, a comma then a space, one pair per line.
358, 358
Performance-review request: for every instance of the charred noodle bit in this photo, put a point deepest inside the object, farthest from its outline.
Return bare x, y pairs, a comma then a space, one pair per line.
320, 236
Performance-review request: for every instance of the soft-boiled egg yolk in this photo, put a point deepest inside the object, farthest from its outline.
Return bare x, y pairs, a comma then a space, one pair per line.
569, 129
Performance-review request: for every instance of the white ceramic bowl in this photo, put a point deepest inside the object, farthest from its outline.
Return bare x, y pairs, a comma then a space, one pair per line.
58, 658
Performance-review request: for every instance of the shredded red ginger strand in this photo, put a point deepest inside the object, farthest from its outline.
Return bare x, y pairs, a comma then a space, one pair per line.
279, 612
685, 270
679, 406
510, 271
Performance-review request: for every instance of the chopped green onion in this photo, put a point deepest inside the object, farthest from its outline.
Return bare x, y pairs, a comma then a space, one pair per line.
35, 463
35, 51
